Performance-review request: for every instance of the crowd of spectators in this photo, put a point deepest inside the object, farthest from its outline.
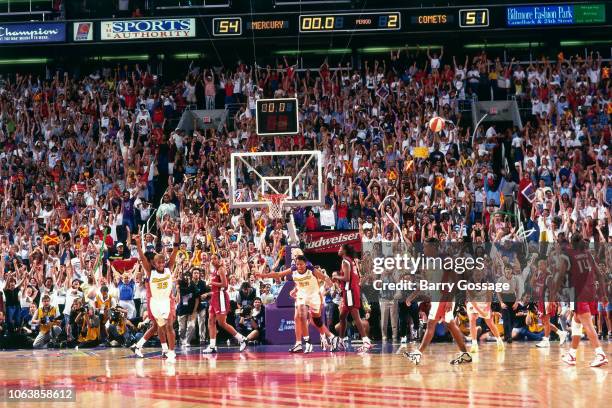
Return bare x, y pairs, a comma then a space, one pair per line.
86, 162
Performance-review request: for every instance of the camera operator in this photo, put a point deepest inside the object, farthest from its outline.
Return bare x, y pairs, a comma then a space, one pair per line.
251, 323
30, 328
119, 328
186, 309
246, 295
45, 317
88, 323
202, 295
103, 304
74, 295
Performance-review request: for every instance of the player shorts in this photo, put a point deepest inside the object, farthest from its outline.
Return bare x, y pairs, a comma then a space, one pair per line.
313, 301
604, 307
219, 304
351, 300
585, 307
483, 309
161, 310
441, 312
548, 308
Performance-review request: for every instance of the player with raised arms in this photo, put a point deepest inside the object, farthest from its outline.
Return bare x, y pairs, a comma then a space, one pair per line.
308, 298
351, 296
219, 306
159, 298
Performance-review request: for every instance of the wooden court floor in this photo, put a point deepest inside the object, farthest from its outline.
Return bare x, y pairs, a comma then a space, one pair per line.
268, 376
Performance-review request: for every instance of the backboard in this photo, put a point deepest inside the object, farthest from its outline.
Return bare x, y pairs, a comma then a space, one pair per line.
296, 174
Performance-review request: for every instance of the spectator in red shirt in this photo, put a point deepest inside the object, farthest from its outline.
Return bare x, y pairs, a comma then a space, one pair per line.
311, 222
342, 212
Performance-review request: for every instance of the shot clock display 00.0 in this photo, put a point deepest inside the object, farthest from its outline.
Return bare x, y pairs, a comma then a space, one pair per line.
277, 116
321, 23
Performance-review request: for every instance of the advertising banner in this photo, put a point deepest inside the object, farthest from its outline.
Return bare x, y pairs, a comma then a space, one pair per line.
148, 29
330, 241
567, 14
82, 31
38, 32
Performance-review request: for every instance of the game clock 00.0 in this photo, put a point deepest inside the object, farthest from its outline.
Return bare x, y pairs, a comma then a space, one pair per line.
277, 116
346, 22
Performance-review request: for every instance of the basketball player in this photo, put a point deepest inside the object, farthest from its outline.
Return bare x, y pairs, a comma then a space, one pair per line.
584, 276
159, 298
219, 306
477, 308
351, 296
542, 280
308, 299
301, 314
440, 312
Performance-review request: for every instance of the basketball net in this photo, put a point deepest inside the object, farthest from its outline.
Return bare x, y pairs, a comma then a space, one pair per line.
275, 205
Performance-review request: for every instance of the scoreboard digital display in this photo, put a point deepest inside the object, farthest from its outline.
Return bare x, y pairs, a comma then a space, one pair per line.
469, 18
317, 23
227, 26
409, 20
277, 117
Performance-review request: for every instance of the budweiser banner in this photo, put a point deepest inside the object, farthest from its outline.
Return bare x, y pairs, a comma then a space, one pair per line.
330, 241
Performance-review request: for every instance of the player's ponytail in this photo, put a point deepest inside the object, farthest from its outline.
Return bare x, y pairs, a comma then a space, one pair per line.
348, 250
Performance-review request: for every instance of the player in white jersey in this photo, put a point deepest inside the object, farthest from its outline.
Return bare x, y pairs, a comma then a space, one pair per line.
308, 298
159, 298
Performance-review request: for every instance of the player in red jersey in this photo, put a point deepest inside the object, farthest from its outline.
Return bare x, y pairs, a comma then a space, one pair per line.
583, 278
160, 302
541, 283
441, 310
219, 306
351, 296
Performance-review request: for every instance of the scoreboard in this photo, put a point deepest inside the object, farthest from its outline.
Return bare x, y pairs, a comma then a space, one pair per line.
409, 20
277, 116
349, 22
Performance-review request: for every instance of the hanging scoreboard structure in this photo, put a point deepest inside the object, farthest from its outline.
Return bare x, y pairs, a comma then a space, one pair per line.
408, 20
277, 117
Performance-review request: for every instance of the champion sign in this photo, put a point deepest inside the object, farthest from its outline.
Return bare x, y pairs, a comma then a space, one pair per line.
330, 241
147, 29
32, 33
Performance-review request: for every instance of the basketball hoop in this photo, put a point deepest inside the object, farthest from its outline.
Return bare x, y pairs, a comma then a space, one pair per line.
275, 204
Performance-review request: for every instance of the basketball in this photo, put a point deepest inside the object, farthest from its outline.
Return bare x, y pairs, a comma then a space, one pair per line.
436, 124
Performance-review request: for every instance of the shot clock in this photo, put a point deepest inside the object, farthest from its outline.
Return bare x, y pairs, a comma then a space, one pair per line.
277, 116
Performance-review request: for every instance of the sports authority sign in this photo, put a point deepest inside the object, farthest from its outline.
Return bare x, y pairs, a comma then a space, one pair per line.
330, 241
148, 29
